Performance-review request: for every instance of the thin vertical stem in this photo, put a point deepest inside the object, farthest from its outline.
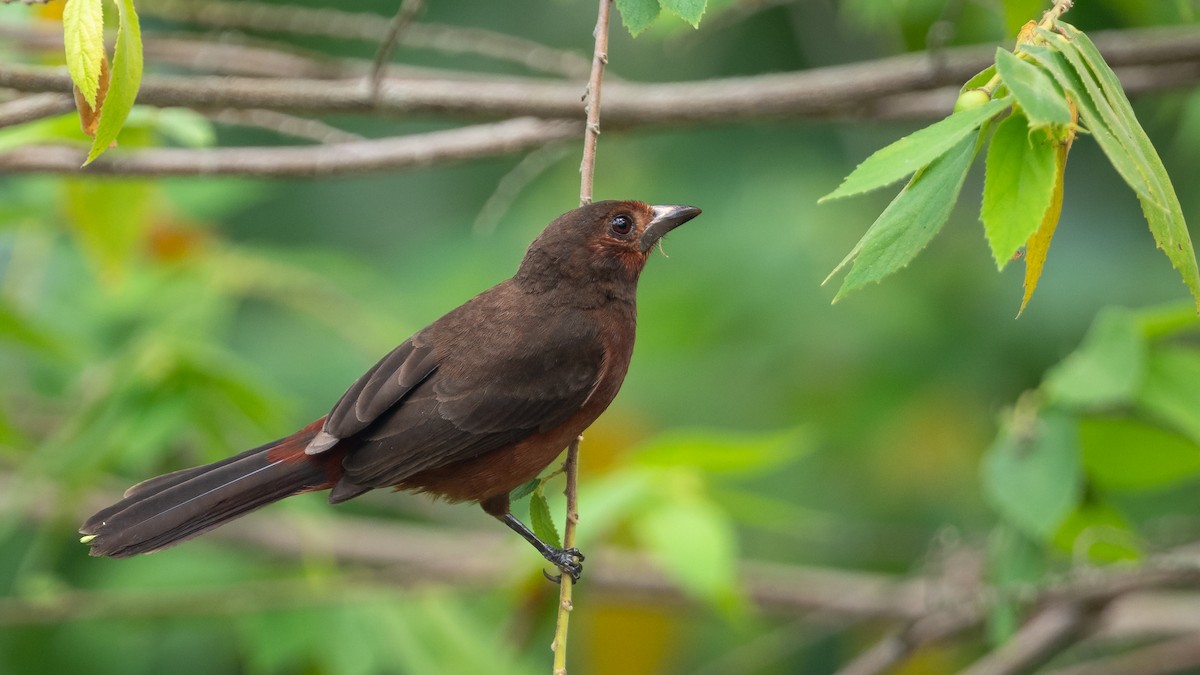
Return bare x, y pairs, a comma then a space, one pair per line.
587, 168
587, 172
409, 9
566, 584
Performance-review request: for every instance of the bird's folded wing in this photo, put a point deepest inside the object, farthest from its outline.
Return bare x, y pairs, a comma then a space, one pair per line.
459, 412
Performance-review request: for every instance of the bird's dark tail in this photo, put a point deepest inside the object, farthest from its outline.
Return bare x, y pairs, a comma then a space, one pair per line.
172, 508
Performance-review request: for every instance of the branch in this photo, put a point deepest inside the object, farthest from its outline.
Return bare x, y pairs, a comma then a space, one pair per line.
1039, 640
370, 28
401, 152
409, 9
859, 90
35, 107
1169, 656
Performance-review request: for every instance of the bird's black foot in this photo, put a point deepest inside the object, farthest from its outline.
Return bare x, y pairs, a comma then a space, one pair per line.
569, 560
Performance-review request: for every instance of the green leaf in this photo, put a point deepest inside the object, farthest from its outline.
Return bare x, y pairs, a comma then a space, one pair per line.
693, 542
722, 451
910, 221
1031, 474
1013, 561
1161, 208
1122, 160
1043, 102
916, 150
540, 520
637, 15
126, 79
1106, 370
1171, 390
83, 38
1099, 532
688, 10
1125, 454
1018, 185
525, 489
979, 79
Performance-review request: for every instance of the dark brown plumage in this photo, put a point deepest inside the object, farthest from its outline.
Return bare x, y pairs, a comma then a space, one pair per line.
469, 408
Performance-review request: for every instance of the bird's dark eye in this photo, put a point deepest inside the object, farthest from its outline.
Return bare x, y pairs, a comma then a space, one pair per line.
621, 225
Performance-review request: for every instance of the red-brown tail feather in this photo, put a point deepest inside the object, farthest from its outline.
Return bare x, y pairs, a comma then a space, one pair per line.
172, 508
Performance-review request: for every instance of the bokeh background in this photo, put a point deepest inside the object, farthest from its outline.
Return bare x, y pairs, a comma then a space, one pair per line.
147, 325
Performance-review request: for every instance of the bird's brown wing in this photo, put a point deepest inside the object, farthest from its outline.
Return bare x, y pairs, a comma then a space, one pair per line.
381, 388
435, 401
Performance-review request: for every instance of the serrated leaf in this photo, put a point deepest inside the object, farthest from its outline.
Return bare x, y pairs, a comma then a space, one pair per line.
1038, 245
124, 83
1032, 476
1130, 455
89, 115
1042, 101
688, 10
910, 221
916, 151
1162, 210
693, 541
525, 489
1122, 160
1018, 187
637, 15
83, 40
540, 520
1106, 370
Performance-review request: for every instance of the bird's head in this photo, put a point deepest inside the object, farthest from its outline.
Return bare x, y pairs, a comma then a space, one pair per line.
601, 242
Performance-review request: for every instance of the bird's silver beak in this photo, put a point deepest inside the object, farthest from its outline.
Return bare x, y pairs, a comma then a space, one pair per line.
666, 218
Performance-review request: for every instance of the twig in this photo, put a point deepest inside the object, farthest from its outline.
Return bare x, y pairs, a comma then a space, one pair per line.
587, 172
1177, 655
36, 107
400, 152
587, 167
286, 125
409, 9
566, 583
1039, 640
370, 28
513, 183
1060, 7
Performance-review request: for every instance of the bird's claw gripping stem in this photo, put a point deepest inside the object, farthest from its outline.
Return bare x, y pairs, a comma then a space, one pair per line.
569, 560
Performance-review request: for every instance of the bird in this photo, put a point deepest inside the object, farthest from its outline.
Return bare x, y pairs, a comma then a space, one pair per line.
469, 408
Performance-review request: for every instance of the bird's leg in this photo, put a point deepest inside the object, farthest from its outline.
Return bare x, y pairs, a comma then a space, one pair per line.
569, 560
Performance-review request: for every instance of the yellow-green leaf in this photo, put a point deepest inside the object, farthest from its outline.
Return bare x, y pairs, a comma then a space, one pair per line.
1042, 101
917, 150
688, 10
83, 39
1039, 244
125, 80
1162, 209
1017, 187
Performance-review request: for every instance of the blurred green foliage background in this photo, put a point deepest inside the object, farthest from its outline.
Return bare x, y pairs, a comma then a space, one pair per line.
148, 325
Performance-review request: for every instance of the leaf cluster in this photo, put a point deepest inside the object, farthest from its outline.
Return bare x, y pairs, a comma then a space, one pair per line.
1027, 108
